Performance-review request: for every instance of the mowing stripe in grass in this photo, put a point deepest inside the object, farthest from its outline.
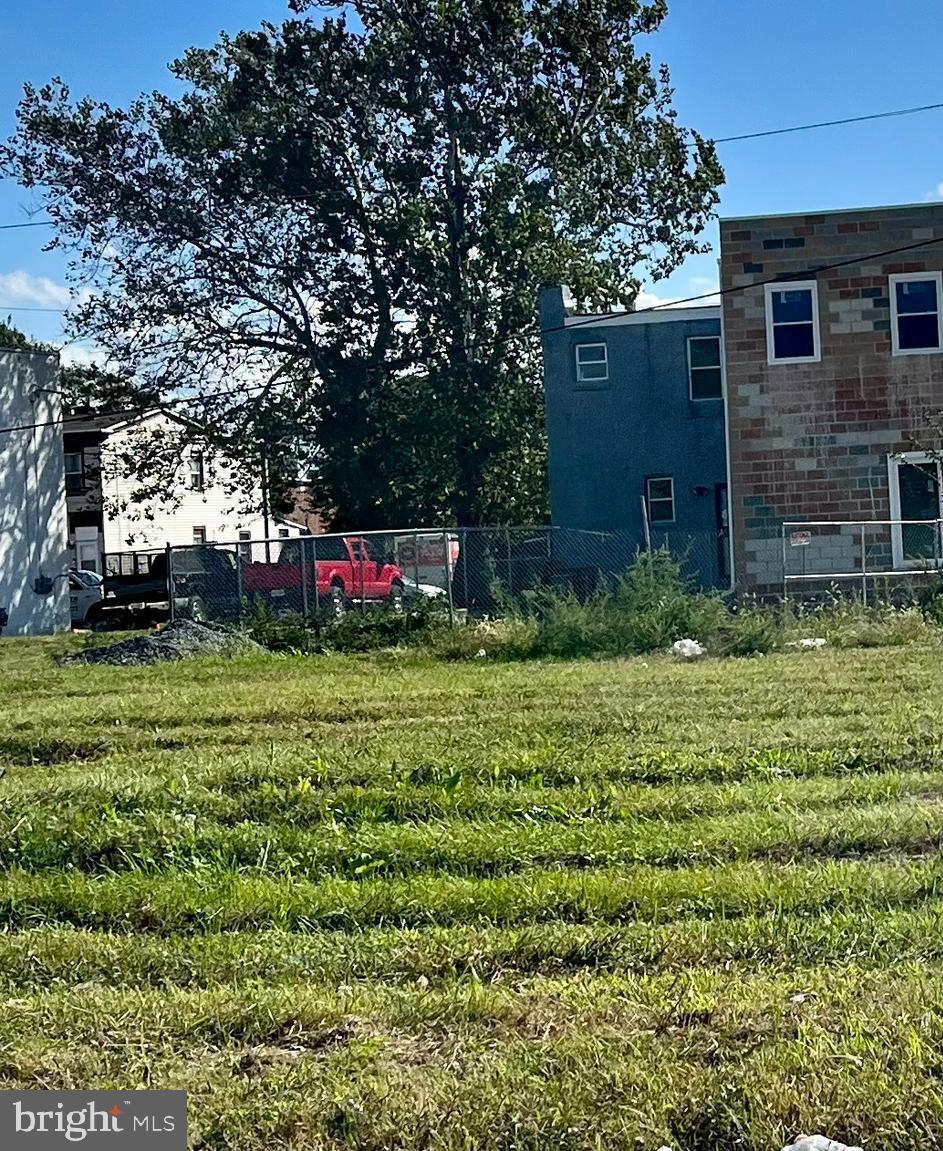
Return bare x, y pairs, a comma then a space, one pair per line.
213, 901
210, 794
156, 841
36, 959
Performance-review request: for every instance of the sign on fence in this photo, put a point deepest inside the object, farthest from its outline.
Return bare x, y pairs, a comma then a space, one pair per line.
800, 539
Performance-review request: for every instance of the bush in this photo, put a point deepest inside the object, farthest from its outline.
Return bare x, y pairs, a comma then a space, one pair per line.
753, 630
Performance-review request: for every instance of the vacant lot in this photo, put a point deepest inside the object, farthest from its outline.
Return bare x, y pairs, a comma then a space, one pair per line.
391, 904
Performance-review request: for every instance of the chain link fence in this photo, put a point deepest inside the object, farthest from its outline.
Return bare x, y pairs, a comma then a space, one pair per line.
465, 570
872, 559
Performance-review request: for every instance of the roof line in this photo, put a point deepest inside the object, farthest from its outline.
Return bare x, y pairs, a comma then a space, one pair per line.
924, 206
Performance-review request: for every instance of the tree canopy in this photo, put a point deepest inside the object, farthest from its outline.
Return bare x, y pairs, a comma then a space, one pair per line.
333, 240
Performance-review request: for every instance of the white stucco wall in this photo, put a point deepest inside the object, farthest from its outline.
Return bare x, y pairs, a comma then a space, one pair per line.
33, 541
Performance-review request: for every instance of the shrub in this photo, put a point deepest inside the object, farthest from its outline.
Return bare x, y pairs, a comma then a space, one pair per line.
753, 630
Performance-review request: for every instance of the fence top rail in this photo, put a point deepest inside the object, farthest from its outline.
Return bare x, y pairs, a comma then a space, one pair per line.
858, 575
857, 523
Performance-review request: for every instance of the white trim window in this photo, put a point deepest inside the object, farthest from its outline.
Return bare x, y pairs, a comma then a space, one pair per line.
74, 473
916, 320
916, 491
792, 322
592, 363
660, 499
705, 381
244, 547
197, 472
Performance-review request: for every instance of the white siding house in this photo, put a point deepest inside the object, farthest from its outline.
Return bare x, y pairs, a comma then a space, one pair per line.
34, 589
106, 517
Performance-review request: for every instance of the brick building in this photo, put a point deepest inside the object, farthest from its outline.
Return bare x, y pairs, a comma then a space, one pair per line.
833, 382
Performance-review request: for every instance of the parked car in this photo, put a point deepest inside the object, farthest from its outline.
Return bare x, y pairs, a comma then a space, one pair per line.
330, 571
84, 594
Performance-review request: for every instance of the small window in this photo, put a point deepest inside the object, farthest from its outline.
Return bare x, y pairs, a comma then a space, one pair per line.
197, 478
592, 363
792, 323
915, 313
245, 548
283, 533
199, 535
704, 368
660, 499
74, 473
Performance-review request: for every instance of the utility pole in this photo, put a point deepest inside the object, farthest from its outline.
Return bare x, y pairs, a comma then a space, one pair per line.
266, 526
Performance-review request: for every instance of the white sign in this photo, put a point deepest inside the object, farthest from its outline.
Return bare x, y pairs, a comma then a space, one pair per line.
800, 539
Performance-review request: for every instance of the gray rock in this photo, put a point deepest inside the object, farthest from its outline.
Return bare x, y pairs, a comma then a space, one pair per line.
182, 639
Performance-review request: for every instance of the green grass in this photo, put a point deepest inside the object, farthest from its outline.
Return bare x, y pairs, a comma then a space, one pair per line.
383, 902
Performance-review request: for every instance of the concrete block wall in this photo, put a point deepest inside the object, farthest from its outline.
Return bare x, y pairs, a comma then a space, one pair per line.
811, 441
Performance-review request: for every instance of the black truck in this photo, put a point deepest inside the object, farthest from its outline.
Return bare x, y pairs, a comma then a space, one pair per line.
138, 593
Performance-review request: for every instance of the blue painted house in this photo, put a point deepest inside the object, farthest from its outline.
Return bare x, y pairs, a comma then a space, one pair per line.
636, 429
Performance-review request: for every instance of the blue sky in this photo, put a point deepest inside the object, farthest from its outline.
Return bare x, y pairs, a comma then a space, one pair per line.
737, 66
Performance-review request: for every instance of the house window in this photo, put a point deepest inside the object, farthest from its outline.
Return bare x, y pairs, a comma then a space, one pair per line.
915, 313
245, 548
283, 533
199, 535
660, 499
197, 478
792, 323
592, 363
74, 473
704, 378
916, 487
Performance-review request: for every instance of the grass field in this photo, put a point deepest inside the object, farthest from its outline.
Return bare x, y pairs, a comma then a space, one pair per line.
386, 903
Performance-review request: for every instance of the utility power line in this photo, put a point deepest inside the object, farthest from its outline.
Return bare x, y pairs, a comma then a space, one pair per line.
827, 124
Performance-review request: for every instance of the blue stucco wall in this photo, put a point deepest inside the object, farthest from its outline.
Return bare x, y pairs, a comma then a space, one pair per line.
606, 439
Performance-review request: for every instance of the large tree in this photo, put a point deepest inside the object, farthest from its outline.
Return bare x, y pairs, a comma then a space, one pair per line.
333, 240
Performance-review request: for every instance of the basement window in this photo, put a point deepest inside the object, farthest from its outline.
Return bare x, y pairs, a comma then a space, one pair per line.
704, 379
915, 313
660, 499
592, 363
792, 323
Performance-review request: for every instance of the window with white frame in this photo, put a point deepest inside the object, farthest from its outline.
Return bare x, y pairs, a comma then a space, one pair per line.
245, 547
197, 476
74, 473
915, 313
660, 499
792, 322
592, 363
704, 379
199, 535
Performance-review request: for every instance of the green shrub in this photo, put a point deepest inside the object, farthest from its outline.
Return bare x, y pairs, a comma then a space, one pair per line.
753, 630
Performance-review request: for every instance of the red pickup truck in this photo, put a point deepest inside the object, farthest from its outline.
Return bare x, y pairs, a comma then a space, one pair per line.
336, 569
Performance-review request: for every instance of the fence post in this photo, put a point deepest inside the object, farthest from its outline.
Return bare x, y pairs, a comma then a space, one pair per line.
239, 582
864, 568
304, 577
314, 576
463, 544
507, 543
416, 561
171, 590
785, 581
448, 578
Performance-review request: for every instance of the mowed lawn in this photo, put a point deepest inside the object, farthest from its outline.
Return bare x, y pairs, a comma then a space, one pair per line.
387, 903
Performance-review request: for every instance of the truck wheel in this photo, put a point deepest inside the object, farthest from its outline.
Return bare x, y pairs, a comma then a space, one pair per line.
396, 595
196, 610
336, 601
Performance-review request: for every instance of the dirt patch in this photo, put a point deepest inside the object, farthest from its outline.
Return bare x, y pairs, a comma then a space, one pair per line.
182, 639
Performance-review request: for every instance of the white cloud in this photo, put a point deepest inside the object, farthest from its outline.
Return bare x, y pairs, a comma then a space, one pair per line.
23, 288
82, 356
939, 189
703, 281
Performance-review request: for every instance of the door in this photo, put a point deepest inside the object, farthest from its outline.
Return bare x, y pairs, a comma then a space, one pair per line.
722, 519
918, 488
357, 553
